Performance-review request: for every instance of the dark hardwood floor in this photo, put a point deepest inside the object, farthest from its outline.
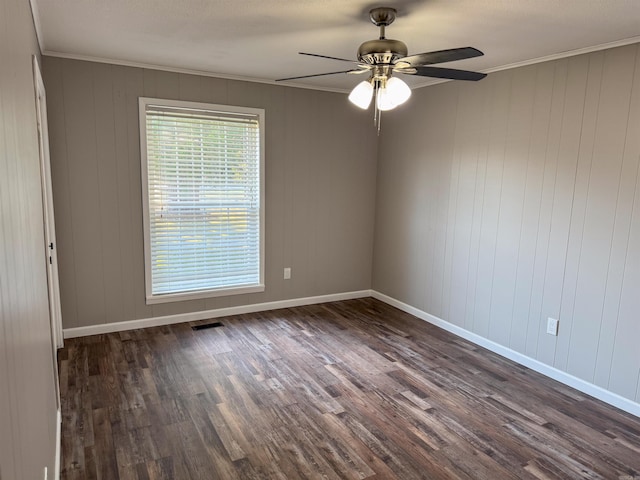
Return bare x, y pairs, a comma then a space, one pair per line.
345, 390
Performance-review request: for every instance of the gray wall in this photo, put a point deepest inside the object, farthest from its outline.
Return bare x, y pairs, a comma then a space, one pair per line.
517, 198
27, 395
320, 188
498, 204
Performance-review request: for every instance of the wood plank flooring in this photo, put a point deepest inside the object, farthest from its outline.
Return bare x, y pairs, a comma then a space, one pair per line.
345, 390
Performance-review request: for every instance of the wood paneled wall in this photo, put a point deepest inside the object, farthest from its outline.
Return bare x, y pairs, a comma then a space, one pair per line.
517, 198
27, 394
320, 188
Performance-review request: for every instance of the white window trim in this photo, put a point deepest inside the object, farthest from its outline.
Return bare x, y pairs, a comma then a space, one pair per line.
199, 294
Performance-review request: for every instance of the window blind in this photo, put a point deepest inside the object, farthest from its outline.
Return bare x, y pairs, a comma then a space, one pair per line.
204, 194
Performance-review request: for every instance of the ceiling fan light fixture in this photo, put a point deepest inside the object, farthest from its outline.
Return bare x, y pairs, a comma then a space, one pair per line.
383, 57
398, 90
362, 94
384, 100
391, 93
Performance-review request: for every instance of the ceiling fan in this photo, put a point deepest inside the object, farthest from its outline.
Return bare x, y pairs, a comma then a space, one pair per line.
384, 57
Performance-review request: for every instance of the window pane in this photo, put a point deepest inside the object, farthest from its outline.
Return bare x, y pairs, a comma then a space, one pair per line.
204, 193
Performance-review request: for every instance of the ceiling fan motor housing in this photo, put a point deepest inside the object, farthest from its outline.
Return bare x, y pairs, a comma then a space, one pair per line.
381, 51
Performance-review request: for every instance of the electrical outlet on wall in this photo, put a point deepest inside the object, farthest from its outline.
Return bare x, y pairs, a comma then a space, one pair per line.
287, 273
552, 326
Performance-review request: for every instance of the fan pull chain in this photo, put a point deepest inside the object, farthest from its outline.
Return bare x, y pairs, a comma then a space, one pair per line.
377, 113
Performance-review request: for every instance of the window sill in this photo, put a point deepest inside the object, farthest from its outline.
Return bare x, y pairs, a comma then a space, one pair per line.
200, 294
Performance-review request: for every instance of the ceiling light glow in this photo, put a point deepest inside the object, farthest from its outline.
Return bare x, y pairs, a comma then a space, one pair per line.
362, 94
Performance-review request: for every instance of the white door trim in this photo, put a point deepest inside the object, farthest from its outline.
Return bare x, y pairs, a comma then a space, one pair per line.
51, 246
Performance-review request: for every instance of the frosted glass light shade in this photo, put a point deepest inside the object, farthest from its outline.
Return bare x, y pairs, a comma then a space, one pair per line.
394, 93
361, 95
384, 100
398, 91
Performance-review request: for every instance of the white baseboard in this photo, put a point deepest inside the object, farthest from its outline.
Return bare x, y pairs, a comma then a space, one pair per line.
551, 372
56, 471
586, 387
204, 315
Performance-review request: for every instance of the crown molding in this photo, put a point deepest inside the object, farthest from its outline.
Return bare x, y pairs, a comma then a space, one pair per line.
568, 53
549, 58
186, 71
37, 25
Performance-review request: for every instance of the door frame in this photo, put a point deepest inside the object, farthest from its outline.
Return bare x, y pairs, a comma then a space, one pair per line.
50, 244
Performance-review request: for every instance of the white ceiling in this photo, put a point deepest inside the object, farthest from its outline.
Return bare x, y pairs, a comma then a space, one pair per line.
259, 39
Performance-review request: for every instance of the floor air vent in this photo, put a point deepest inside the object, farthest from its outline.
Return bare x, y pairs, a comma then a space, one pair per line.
204, 326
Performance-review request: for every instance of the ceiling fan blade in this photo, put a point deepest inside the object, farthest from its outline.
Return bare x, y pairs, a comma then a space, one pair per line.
330, 58
317, 75
358, 71
440, 56
449, 73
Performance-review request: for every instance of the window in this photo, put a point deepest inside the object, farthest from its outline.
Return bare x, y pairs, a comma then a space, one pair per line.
203, 192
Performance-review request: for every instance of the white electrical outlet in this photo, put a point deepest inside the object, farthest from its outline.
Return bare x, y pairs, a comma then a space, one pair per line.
287, 273
552, 326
